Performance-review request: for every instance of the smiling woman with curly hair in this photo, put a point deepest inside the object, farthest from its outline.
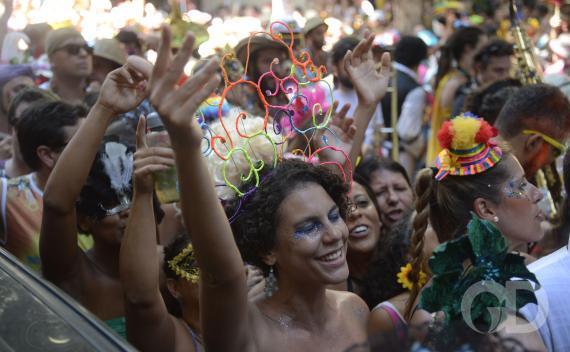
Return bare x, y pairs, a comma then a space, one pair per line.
258, 214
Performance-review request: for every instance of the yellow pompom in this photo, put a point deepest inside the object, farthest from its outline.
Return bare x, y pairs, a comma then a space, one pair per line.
465, 130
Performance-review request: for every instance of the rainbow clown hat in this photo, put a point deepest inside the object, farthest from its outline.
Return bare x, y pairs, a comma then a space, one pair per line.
467, 147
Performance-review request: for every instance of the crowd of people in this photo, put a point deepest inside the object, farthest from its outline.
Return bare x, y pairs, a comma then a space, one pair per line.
293, 193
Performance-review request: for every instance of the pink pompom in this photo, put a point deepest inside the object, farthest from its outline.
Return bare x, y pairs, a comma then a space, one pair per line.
302, 106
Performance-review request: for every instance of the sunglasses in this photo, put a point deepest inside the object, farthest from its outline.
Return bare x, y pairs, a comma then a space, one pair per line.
122, 206
559, 147
75, 49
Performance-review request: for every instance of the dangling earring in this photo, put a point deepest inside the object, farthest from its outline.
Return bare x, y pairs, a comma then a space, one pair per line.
270, 283
496, 219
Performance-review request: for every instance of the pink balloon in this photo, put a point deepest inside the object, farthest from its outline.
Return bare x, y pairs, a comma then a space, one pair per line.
308, 97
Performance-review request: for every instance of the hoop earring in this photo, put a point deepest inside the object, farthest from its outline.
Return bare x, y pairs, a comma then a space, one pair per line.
270, 284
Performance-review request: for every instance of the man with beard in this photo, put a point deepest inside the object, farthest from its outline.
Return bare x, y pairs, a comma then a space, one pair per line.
70, 60
257, 55
108, 55
314, 32
344, 91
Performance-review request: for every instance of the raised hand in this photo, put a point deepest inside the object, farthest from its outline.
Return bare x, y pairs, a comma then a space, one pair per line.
124, 88
149, 160
255, 283
342, 128
340, 134
177, 105
370, 84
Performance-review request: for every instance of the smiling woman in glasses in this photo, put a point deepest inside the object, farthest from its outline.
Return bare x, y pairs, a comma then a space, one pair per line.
71, 64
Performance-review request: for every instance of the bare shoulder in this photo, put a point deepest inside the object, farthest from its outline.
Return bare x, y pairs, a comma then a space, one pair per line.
379, 321
455, 82
183, 339
349, 304
448, 92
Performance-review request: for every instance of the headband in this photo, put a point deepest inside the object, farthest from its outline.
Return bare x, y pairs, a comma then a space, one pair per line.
183, 265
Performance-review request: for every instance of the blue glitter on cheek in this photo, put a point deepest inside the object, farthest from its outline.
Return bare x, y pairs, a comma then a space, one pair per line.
512, 192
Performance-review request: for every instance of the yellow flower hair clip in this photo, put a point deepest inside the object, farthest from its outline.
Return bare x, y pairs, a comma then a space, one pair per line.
182, 265
405, 280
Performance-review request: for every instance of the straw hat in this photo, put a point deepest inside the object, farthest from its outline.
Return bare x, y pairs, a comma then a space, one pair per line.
312, 24
110, 49
56, 38
258, 42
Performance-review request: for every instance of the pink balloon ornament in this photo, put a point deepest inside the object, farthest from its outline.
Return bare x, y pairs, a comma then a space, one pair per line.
302, 106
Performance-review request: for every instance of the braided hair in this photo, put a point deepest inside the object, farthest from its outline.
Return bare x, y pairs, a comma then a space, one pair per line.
446, 205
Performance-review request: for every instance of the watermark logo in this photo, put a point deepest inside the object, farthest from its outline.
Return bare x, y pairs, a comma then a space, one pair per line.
502, 317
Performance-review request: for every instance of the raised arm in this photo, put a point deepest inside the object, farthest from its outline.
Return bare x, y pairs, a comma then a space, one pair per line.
149, 325
58, 241
223, 296
371, 86
340, 135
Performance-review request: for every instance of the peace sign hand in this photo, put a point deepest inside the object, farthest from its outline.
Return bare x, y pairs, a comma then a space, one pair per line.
177, 105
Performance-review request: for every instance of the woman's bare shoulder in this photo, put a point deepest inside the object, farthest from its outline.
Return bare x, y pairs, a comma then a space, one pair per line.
349, 303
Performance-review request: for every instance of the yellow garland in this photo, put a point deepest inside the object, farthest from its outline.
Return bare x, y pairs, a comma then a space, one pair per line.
404, 277
180, 266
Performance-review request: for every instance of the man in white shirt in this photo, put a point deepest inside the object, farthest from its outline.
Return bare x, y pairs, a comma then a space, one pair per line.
344, 91
552, 314
409, 52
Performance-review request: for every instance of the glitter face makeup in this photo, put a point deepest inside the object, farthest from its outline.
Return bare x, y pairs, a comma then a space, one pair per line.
312, 228
516, 189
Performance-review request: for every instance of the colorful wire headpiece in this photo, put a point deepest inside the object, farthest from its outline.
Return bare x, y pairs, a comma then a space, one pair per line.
299, 86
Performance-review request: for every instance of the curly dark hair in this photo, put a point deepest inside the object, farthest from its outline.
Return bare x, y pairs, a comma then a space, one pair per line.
254, 227
392, 252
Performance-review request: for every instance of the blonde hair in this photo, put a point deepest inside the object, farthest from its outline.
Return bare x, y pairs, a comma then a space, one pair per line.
263, 147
